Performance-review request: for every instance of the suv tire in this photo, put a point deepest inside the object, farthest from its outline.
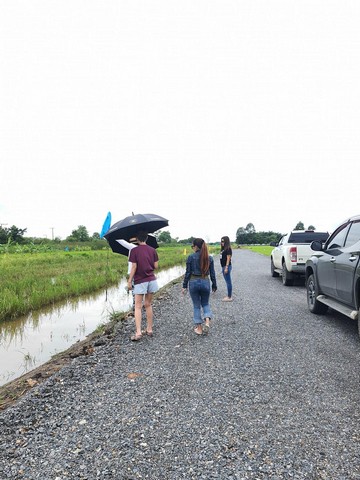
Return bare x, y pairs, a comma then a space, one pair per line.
311, 293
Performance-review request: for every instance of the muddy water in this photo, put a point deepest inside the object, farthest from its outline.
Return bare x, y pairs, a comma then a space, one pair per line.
30, 341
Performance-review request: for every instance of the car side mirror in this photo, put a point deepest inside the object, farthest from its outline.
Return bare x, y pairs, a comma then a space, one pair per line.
316, 246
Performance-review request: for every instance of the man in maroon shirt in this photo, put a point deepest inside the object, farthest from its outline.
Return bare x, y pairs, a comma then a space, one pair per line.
144, 261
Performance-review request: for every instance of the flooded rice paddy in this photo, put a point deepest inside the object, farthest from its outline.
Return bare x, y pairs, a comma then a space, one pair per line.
28, 342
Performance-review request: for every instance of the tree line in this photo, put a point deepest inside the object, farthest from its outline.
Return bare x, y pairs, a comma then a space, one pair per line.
79, 234
17, 235
249, 236
244, 236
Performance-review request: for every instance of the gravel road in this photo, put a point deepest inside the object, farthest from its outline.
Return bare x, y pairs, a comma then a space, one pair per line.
271, 393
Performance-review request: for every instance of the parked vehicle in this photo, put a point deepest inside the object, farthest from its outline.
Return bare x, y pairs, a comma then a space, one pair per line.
333, 272
289, 257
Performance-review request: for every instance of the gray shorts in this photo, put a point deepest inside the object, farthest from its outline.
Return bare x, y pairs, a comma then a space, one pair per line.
146, 287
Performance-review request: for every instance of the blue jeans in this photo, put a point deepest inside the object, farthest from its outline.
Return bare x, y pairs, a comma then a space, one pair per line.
227, 278
200, 293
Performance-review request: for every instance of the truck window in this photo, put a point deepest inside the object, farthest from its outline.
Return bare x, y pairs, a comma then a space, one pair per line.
353, 235
281, 240
308, 237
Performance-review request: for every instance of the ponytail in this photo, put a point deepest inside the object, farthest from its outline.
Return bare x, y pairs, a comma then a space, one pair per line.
204, 255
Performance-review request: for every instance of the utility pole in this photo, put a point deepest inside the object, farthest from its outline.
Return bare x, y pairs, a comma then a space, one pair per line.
52, 232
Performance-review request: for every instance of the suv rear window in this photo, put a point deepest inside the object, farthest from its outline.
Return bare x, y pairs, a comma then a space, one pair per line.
307, 237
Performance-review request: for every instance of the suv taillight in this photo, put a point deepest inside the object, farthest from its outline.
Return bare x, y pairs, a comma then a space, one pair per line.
293, 254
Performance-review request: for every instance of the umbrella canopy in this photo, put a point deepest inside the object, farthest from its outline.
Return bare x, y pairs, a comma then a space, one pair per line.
116, 247
128, 227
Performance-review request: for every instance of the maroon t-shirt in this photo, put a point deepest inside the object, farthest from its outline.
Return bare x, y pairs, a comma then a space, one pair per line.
145, 257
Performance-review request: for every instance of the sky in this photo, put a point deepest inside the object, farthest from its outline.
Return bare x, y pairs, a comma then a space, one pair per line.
212, 114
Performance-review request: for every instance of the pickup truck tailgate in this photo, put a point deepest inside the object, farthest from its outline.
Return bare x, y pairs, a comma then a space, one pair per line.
300, 253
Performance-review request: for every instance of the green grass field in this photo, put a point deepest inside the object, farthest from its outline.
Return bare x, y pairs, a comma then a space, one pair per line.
263, 249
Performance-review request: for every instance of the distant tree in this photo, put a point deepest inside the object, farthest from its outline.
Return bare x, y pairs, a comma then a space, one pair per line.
95, 236
250, 228
241, 231
241, 235
164, 237
3, 235
13, 234
311, 227
299, 226
248, 236
79, 235
187, 240
250, 233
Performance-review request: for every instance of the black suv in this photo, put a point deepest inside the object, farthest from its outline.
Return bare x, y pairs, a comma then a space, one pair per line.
333, 272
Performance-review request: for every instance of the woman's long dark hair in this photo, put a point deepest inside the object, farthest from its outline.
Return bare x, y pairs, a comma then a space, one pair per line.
226, 244
204, 255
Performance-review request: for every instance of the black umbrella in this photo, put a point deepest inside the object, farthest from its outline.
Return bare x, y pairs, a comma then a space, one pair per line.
116, 247
128, 227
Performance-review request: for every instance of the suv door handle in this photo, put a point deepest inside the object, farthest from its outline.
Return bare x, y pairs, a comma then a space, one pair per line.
332, 259
352, 258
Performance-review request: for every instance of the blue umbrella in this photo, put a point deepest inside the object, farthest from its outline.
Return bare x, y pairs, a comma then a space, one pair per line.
106, 225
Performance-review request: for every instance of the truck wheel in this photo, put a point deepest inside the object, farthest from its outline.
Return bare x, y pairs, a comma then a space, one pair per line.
312, 292
273, 273
286, 276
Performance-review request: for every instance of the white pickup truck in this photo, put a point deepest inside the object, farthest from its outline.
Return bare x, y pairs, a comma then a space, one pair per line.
289, 256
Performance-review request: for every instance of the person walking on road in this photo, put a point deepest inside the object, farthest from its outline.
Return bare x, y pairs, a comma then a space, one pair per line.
199, 266
225, 261
144, 261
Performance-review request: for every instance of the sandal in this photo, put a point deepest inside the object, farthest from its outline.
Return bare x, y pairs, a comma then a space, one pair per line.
136, 338
197, 333
206, 328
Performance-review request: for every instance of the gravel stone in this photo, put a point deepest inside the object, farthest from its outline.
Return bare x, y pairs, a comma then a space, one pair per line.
271, 393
